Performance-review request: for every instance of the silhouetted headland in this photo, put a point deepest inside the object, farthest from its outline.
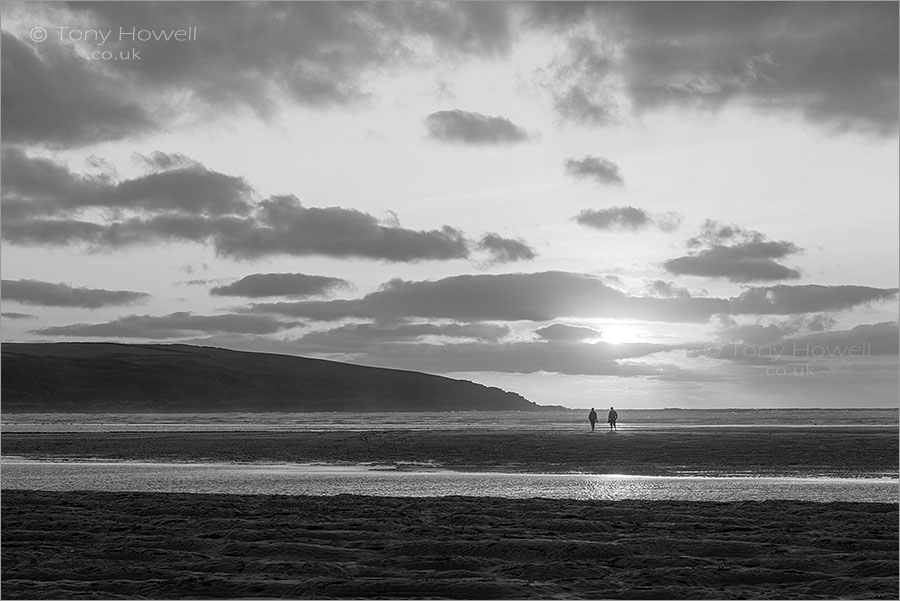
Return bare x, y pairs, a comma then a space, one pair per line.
79, 377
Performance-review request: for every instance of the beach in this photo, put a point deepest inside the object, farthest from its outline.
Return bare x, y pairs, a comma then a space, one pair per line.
831, 451
80, 545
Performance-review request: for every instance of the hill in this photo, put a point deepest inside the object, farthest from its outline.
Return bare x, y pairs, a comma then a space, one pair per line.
87, 377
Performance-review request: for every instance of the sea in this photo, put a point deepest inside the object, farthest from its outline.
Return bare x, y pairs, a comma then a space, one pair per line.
422, 480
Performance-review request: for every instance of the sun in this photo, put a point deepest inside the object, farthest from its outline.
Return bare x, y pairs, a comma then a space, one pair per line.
618, 333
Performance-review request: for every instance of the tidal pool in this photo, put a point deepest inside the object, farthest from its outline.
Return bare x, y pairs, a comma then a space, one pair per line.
422, 481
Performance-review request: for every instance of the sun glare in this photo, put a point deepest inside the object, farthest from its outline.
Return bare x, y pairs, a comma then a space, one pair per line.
619, 333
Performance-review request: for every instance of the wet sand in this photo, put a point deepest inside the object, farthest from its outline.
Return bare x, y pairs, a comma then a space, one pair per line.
129, 545
78, 545
830, 451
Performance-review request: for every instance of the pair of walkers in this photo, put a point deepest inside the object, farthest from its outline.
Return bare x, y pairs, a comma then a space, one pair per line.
611, 418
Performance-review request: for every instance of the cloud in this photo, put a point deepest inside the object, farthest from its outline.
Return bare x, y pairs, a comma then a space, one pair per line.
56, 98
788, 58
258, 57
14, 315
465, 127
314, 54
627, 218
746, 262
44, 204
34, 292
332, 310
174, 325
809, 298
867, 339
667, 289
510, 297
815, 353
280, 284
50, 188
282, 225
551, 295
623, 217
164, 161
509, 357
354, 336
757, 333
736, 254
599, 169
579, 84
506, 250
559, 332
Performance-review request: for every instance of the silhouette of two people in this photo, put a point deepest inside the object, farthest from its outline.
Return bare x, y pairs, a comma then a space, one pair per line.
611, 418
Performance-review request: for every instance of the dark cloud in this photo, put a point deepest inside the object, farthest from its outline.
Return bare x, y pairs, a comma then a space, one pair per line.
279, 226
613, 217
47, 187
174, 325
43, 202
245, 56
860, 341
505, 250
452, 29
515, 296
555, 295
734, 253
627, 218
809, 298
599, 169
315, 54
747, 262
816, 353
464, 127
34, 292
282, 225
280, 284
56, 98
757, 333
14, 315
806, 58
560, 332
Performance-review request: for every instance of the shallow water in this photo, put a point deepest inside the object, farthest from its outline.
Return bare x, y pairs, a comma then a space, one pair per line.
549, 420
420, 481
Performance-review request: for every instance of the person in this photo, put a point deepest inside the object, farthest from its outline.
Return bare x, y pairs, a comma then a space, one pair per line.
592, 417
611, 418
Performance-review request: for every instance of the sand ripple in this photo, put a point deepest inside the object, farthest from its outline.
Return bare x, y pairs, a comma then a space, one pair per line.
85, 545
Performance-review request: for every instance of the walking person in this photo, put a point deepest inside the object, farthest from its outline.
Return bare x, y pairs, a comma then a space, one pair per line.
611, 418
592, 417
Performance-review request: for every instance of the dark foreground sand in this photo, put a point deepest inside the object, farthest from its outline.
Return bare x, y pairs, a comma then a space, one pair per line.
777, 451
134, 545
82, 545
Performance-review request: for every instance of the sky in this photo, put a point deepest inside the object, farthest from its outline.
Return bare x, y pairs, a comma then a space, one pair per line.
635, 204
